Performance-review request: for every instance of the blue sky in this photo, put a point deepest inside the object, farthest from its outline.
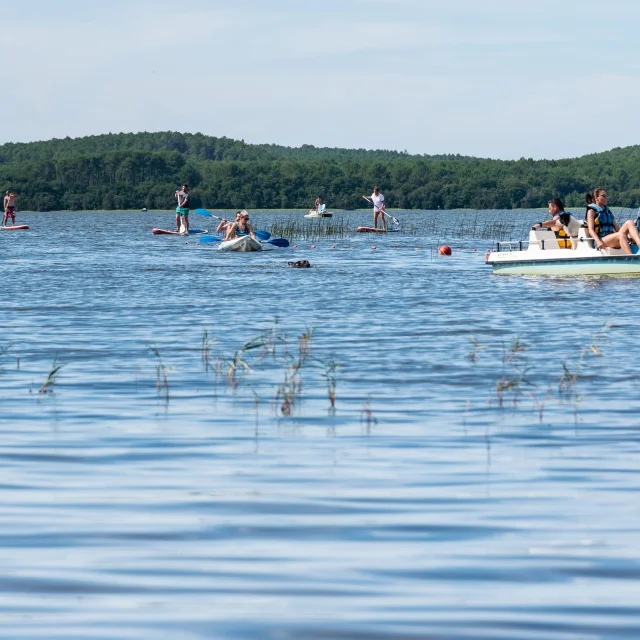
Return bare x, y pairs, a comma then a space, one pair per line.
498, 78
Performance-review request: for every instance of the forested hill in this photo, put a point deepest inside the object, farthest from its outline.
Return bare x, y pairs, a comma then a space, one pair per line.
193, 145
131, 171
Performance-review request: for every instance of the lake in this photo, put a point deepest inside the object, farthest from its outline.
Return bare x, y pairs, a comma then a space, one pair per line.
387, 445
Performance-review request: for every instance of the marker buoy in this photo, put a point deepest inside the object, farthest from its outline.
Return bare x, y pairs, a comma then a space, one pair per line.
373, 247
333, 246
313, 246
444, 250
295, 246
473, 249
416, 249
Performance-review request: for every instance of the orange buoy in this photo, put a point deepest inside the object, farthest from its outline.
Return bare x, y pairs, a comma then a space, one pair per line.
444, 250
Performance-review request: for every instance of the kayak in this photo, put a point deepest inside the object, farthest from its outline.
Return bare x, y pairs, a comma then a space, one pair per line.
16, 228
244, 243
372, 230
164, 232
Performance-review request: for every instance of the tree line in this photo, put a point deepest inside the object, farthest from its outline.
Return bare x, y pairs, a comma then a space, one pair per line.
131, 171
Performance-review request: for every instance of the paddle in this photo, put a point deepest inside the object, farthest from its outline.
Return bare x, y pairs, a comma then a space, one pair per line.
210, 239
278, 242
395, 220
262, 235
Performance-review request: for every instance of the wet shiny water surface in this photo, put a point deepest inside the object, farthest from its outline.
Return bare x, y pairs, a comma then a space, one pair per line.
184, 474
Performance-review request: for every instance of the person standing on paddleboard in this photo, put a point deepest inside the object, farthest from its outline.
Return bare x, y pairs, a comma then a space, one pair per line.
9, 208
378, 207
182, 212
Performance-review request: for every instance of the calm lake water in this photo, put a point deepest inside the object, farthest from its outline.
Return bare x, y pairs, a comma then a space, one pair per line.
478, 477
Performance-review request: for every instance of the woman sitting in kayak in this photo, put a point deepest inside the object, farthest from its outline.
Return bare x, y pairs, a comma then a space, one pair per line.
225, 224
241, 228
602, 226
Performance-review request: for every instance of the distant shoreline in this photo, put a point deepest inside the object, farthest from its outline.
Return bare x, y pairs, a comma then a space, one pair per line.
336, 211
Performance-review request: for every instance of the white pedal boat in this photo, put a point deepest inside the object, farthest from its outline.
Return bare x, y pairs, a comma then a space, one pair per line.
244, 243
315, 214
541, 255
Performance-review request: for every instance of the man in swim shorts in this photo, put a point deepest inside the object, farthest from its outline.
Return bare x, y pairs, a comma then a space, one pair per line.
9, 208
182, 211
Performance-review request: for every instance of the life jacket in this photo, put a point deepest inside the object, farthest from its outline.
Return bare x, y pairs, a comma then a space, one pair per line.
563, 238
564, 241
603, 221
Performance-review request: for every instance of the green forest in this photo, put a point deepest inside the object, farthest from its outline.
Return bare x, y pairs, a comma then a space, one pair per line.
132, 171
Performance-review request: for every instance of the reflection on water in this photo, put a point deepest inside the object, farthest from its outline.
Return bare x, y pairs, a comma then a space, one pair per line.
476, 479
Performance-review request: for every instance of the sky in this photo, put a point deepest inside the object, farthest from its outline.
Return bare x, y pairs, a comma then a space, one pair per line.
493, 78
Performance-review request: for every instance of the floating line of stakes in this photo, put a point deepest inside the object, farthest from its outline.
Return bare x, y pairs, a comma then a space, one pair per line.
444, 250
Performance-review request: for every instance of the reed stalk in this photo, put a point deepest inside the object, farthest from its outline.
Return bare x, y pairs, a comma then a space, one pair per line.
52, 377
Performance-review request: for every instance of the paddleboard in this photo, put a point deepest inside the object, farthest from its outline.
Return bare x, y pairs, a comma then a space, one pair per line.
165, 232
372, 230
16, 228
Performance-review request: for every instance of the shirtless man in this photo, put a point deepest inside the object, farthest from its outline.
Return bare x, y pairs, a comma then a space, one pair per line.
225, 224
9, 208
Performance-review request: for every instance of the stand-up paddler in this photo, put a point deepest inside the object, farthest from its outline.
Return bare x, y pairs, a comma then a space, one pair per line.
182, 212
9, 207
378, 207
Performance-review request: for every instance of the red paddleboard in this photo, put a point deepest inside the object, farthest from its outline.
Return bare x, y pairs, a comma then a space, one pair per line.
16, 228
372, 230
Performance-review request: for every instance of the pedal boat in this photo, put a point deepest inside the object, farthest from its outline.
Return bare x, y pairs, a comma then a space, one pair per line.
316, 214
542, 255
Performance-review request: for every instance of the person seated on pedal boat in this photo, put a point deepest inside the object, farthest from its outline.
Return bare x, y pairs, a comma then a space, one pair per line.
602, 226
317, 203
565, 226
241, 228
225, 224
